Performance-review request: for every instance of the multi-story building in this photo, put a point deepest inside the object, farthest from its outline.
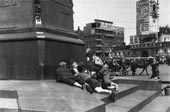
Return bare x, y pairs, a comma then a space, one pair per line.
134, 39
164, 40
146, 42
100, 36
147, 18
153, 40
147, 28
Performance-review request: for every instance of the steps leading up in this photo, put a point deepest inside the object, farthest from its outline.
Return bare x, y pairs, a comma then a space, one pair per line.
168, 110
144, 83
133, 102
125, 89
50, 96
160, 104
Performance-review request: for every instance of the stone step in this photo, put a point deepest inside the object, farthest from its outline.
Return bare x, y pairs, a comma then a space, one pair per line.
8, 94
125, 89
59, 97
49, 96
133, 102
168, 110
142, 81
160, 104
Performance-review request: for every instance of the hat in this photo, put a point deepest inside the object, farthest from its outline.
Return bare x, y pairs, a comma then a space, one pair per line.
72, 61
81, 67
61, 64
89, 53
81, 64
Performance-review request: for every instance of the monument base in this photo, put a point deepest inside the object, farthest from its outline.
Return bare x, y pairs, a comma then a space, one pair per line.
34, 53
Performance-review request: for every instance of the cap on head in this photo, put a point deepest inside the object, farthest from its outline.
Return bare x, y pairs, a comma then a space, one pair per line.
62, 64
89, 53
72, 61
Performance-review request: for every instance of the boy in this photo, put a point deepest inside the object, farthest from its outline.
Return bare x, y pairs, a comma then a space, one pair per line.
95, 64
64, 75
80, 70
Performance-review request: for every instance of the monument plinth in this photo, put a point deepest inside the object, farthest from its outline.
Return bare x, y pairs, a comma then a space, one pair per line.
35, 35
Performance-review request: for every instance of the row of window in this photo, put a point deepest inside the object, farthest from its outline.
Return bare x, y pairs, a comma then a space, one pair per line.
99, 31
120, 53
145, 45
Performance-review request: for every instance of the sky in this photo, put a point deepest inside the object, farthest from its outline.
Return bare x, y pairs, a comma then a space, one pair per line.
120, 12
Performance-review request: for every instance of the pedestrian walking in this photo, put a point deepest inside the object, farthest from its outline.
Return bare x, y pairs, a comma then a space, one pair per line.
155, 70
133, 67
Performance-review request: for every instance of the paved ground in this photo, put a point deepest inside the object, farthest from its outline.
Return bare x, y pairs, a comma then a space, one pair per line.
164, 72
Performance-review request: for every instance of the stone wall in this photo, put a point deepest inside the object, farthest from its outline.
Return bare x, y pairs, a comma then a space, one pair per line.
16, 14
57, 14
31, 50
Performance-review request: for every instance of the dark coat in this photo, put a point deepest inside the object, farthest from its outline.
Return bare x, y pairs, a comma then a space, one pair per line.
133, 66
63, 72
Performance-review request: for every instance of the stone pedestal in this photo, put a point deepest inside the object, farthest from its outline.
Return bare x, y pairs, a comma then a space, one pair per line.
35, 35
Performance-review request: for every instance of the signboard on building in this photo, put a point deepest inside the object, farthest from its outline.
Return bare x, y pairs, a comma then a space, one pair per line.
142, 16
147, 17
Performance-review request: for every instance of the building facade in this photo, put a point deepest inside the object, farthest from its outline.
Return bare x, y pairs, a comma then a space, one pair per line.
100, 36
151, 40
147, 17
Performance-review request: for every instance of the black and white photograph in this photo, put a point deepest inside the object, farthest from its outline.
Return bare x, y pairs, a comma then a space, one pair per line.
84, 55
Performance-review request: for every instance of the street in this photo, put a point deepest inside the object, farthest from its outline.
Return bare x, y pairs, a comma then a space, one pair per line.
164, 72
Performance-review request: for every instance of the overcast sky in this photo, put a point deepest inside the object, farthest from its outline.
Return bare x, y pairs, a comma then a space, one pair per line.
120, 12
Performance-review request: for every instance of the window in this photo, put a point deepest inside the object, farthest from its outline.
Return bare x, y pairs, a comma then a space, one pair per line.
156, 51
165, 51
134, 52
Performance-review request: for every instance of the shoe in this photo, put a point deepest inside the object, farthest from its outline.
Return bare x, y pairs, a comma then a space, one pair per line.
89, 89
112, 96
155, 77
83, 87
111, 87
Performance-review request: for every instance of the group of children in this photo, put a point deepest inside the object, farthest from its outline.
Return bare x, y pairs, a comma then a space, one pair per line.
93, 76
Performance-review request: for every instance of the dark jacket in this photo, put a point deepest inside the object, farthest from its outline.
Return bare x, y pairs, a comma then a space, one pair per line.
133, 66
63, 72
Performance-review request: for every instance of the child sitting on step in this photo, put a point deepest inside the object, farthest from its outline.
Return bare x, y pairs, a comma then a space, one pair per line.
79, 69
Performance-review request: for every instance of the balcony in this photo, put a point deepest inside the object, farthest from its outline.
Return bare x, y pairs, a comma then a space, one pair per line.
106, 51
144, 46
98, 51
98, 34
108, 35
98, 39
99, 45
